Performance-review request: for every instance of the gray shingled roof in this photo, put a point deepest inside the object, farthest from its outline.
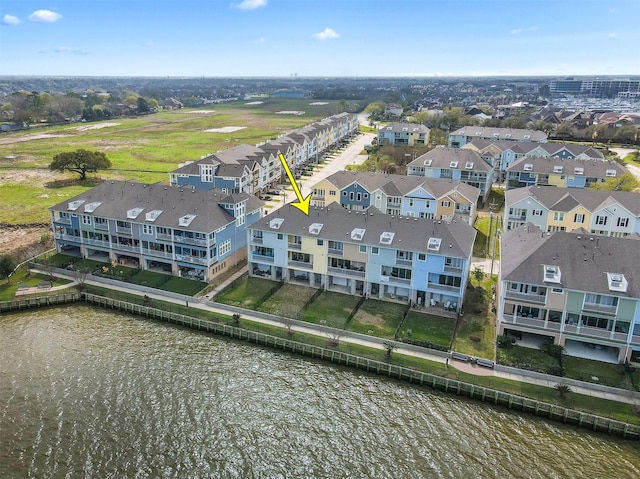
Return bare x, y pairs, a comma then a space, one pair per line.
411, 234
118, 197
398, 127
400, 185
513, 134
550, 197
592, 168
524, 147
583, 259
441, 157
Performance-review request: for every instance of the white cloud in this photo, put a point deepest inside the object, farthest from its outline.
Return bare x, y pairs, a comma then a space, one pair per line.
74, 51
10, 20
46, 16
533, 28
613, 10
250, 4
515, 31
261, 40
148, 44
612, 34
326, 34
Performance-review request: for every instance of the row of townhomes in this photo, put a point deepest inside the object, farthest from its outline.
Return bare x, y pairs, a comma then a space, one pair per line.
458, 164
467, 134
403, 134
581, 291
390, 257
607, 213
398, 195
502, 154
187, 232
255, 169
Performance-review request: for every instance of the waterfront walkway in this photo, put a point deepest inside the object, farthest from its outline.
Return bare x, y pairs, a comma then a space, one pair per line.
204, 303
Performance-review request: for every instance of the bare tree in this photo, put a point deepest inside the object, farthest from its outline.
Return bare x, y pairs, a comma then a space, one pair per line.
389, 347
80, 277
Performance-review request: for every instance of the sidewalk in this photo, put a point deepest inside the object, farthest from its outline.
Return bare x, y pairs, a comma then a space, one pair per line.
629, 397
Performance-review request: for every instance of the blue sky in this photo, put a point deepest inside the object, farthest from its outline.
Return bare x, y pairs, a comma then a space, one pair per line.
319, 37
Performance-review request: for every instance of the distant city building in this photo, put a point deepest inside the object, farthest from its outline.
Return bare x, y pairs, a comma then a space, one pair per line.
596, 87
187, 232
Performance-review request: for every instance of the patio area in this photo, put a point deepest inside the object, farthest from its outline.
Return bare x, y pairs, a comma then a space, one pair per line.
596, 352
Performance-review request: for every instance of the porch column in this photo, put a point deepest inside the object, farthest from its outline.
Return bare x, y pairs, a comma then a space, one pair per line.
381, 291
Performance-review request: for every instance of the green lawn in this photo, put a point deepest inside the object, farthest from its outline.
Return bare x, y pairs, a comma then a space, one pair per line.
246, 292
377, 318
586, 369
287, 301
8, 289
429, 328
330, 309
526, 358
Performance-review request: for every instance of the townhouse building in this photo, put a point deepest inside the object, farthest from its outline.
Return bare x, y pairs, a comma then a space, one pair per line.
256, 169
467, 134
389, 257
502, 154
185, 231
608, 213
458, 164
403, 134
578, 290
563, 173
413, 196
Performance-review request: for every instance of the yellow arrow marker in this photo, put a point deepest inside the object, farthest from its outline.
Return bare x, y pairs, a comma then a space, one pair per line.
303, 203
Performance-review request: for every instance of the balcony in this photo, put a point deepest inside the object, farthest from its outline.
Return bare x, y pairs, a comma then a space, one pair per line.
164, 237
296, 246
125, 247
635, 339
443, 287
66, 221
394, 280
452, 269
191, 259
95, 242
517, 217
262, 258
595, 332
123, 230
531, 322
346, 272
300, 264
404, 262
335, 252
318, 196
60, 236
188, 240
526, 297
101, 226
599, 308
156, 253
257, 240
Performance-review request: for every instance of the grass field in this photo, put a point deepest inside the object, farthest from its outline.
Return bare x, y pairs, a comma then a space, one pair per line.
143, 148
246, 292
287, 301
377, 318
426, 327
330, 309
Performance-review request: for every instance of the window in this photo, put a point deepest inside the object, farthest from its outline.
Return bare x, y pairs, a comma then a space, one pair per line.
422, 257
359, 197
363, 248
225, 247
86, 219
410, 202
601, 220
623, 222
147, 229
375, 250
280, 236
344, 193
351, 196
558, 216
333, 193
578, 218
206, 173
240, 214
320, 242
536, 213
557, 290
446, 204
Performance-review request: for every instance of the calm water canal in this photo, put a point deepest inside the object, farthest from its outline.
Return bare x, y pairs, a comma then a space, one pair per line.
92, 393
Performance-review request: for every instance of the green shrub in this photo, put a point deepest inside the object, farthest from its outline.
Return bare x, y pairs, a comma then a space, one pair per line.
505, 341
553, 350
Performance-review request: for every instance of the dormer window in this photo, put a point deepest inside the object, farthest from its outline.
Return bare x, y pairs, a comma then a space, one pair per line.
527, 137
427, 162
91, 207
453, 164
507, 135
468, 165
578, 170
315, 228
611, 173
357, 234
387, 237
133, 213
617, 282
434, 244
276, 223
551, 274
528, 167
186, 220
558, 169
74, 205
153, 215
